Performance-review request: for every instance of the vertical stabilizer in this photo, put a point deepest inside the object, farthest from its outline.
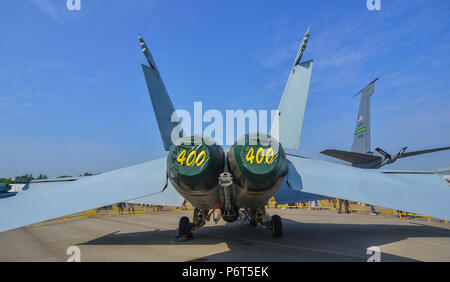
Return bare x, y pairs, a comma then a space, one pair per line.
162, 105
289, 121
361, 139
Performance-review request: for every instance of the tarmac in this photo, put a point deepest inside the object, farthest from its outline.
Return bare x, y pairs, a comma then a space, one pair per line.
307, 236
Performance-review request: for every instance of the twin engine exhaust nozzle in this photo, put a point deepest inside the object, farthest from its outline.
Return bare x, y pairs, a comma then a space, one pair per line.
249, 174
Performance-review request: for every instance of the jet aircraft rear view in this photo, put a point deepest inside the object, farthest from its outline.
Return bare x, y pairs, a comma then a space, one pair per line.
236, 183
256, 163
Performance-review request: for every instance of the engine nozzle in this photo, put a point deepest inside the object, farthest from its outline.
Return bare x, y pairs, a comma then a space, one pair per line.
257, 162
194, 163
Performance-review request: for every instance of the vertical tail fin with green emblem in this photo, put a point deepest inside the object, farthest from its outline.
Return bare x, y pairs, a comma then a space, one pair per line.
361, 139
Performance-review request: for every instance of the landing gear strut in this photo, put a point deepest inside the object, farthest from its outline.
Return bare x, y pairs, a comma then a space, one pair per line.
200, 218
259, 217
254, 217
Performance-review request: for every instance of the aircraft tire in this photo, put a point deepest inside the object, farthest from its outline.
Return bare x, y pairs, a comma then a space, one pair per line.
183, 227
230, 217
277, 228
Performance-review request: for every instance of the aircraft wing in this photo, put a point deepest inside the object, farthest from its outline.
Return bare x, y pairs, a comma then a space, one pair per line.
53, 200
427, 194
410, 154
351, 157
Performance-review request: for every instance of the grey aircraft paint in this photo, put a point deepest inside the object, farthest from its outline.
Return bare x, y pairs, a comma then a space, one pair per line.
361, 140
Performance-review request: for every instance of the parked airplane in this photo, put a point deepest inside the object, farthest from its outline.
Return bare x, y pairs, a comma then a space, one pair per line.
361, 154
236, 183
4, 191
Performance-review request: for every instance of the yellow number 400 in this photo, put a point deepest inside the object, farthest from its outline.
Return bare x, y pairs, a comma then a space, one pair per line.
191, 158
260, 154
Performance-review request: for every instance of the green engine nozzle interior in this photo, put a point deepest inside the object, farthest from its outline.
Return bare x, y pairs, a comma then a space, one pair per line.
195, 161
258, 156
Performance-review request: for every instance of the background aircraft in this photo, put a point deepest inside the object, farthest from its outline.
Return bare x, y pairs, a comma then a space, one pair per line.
361, 154
4, 191
238, 182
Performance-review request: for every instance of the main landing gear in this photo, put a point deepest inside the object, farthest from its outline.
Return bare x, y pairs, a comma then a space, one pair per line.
201, 216
277, 227
248, 217
259, 217
184, 227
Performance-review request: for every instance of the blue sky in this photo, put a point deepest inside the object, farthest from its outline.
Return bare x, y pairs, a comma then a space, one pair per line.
73, 97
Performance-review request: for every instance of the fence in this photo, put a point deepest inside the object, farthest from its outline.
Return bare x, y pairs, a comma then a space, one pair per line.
357, 207
121, 209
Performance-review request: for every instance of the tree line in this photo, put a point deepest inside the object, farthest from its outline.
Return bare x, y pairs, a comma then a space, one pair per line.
30, 177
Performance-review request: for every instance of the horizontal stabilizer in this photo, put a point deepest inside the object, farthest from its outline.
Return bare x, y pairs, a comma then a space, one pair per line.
443, 170
287, 195
383, 153
415, 153
351, 157
291, 190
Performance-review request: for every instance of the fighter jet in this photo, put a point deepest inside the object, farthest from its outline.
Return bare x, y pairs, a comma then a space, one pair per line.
361, 154
232, 184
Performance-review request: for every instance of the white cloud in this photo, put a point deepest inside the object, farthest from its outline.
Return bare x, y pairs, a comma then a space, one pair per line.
56, 10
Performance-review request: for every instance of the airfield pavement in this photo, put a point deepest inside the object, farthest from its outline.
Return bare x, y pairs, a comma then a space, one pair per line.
307, 236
